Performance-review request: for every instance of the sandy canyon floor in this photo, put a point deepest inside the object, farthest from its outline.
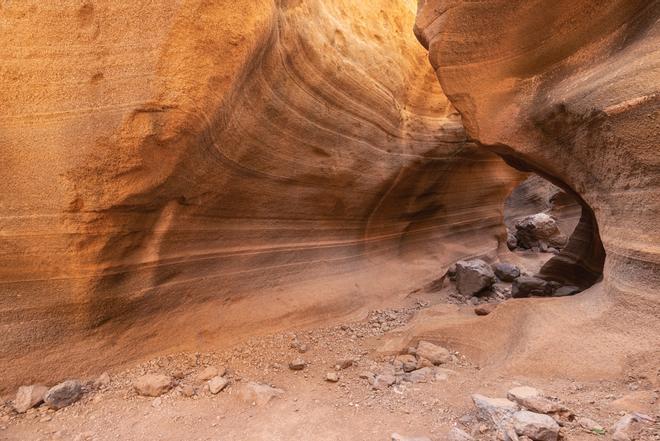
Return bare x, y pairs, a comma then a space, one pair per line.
312, 407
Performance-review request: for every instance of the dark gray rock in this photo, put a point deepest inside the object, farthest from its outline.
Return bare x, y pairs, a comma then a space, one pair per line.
566, 291
473, 276
64, 394
527, 286
506, 272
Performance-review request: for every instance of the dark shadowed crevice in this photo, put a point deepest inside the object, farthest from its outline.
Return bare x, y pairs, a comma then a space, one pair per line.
580, 262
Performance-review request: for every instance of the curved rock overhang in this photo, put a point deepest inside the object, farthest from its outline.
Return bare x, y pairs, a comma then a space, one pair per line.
568, 89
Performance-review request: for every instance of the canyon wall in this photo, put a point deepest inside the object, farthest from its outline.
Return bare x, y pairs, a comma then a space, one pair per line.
570, 89
180, 174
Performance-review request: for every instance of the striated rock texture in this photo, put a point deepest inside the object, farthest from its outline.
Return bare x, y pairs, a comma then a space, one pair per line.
569, 89
180, 173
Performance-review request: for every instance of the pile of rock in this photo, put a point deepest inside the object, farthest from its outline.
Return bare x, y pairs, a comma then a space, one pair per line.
538, 232
475, 279
418, 365
526, 414
57, 397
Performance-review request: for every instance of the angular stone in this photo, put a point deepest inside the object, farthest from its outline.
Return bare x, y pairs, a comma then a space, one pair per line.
473, 276
526, 286
297, 364
408, 362
64, 394
485, 308
152, 385
434, 353
216, 384
498, 410
536, 426
332, 377
423, 375
259, 394
532, 399
539, 229
28, 397
506, 272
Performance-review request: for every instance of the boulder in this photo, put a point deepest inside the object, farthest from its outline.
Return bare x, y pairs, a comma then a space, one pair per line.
532, 399
64, 394
497, 410
536, 426
297, 365
258, 394
152, 385
216, 384
526, 286
506, 272
28, 397
473, 276
434, 353
485, 309
539, 230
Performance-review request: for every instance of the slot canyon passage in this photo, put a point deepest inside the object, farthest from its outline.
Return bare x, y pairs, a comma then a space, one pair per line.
290, 219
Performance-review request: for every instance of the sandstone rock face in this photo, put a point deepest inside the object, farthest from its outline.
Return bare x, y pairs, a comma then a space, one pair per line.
575, 100
213, 155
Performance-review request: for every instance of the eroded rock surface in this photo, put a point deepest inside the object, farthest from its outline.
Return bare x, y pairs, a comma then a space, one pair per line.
188, 161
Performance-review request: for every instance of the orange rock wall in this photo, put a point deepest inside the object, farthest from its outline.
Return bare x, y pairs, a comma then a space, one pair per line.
180, 174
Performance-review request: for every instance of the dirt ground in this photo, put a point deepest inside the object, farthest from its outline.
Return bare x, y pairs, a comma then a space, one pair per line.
312, 408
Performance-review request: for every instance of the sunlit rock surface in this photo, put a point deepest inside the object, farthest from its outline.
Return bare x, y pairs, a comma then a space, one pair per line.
178, 174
